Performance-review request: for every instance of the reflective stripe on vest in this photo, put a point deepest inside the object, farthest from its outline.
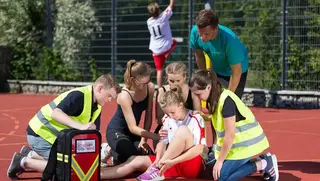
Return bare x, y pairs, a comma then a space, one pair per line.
47, 128
45, 122
240, 128
249, 138
246, 143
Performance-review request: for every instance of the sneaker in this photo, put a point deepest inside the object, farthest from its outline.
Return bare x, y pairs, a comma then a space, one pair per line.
265, 176
152, 174
105, 155
265, 155
14, 167
272, 168
25, 150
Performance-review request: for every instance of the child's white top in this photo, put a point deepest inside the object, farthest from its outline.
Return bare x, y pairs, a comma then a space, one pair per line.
160, 32
194, 122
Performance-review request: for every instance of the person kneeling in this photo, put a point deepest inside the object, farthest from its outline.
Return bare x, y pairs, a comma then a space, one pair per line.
182, 158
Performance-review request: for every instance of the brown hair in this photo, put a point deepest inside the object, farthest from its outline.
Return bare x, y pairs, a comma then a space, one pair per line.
176, 68
108, 81
135, 70
153, 9
207, 17
201, 79
173, 96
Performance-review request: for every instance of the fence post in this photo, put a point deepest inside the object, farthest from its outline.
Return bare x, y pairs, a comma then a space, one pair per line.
113, 36
284, 38
190, 25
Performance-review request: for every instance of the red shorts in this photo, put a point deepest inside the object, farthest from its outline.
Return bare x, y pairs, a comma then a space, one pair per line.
187, 169
159, 60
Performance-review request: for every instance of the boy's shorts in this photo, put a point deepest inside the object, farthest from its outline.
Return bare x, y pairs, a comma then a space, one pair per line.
159, 60
40, 146
187, 169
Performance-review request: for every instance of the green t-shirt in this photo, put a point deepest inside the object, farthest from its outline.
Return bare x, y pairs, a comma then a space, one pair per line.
225, 50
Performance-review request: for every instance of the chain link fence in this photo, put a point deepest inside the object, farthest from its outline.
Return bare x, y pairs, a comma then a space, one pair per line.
282, 38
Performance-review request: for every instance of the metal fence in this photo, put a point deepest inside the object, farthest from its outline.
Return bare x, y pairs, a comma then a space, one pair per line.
125, 34
282, 38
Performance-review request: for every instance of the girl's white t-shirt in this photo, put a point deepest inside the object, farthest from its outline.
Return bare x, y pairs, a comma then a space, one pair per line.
160, 32
194, 122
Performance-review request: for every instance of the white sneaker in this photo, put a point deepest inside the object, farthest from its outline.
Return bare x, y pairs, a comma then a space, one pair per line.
104, 154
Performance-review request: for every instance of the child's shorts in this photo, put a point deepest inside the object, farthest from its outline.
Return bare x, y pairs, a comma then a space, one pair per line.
40, 146
188, 169
159, 60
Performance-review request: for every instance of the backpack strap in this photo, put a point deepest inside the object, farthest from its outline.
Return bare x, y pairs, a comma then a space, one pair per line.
49, 171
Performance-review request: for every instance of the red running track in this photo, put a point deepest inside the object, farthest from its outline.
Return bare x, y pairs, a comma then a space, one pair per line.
293, 135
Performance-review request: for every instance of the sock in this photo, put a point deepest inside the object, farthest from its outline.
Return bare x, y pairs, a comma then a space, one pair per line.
29, 154
22, 162
263, 164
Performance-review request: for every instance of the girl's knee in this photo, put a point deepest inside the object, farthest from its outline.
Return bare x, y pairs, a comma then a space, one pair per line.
183, 131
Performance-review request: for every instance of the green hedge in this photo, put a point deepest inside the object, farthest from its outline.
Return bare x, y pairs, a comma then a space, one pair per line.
22, 28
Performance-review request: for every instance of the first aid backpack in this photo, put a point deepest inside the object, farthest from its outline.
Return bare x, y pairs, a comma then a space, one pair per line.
75, 156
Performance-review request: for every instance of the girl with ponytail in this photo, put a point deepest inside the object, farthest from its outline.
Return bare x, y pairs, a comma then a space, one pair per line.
125, 137
182, 157
176, 76
239, 135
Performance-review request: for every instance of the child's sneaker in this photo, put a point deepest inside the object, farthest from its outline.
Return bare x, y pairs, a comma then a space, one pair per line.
152, 174
272, 168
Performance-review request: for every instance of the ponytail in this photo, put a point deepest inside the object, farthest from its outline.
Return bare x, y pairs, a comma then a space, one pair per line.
135, 70
173, 96
128, 78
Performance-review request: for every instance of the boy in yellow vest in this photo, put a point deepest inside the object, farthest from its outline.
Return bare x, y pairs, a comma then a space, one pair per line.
79, 108
239, 135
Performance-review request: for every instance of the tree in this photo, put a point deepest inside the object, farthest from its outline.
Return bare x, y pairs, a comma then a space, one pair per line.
22, 28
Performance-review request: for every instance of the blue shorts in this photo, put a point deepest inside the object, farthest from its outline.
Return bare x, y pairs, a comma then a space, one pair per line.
40, 146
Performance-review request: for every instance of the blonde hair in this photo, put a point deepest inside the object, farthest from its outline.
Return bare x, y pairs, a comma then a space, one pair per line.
108, 81
153, 9
135, 70
177, 68
173, 96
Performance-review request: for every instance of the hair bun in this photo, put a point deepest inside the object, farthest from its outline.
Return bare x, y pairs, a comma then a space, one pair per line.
176, 89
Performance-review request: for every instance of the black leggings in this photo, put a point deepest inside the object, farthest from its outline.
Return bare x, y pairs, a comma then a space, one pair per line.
123, 145
224, 80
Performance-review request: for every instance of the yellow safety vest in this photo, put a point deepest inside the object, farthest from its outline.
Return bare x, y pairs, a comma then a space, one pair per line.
47, 128
249, 137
